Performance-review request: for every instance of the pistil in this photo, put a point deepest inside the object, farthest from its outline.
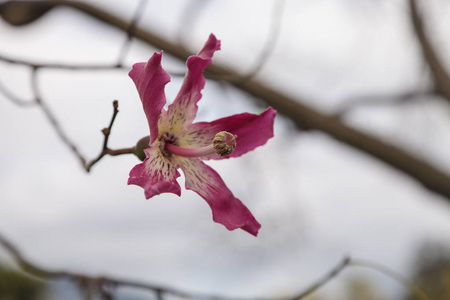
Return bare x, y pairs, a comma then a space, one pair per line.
223, 144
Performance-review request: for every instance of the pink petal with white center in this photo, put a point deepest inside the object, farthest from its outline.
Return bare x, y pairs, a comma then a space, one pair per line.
150, 80
156, 174
252, 131
184, 108
226, 209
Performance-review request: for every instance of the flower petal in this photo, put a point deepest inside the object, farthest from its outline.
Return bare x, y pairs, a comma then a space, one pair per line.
252, 131
184, 108
226, 209
150, 80
156, 175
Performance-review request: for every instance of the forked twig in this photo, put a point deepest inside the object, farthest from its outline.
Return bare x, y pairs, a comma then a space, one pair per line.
105, 150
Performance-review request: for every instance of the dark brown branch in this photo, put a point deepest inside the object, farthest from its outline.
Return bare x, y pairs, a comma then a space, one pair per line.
441, 78
293, 108
302, 115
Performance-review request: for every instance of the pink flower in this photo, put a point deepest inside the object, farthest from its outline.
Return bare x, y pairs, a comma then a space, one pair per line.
177, 142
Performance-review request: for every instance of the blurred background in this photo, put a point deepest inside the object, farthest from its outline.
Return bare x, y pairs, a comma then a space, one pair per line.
363, 64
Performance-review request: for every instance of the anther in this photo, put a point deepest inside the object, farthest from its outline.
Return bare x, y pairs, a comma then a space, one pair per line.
224, 143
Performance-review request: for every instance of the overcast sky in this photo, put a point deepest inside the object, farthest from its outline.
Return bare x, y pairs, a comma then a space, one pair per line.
317, 199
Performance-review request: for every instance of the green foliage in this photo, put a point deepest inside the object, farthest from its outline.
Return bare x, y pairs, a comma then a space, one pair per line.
17, 286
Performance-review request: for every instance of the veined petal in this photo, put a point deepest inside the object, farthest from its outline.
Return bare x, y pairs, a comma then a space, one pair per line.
226, 209
150, 80
156, 175
252, 131
184, 108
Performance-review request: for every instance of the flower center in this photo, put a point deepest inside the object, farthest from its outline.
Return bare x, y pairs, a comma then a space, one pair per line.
167, 139
223, 144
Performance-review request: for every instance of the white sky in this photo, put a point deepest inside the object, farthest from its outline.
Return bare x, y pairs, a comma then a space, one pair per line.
317, 199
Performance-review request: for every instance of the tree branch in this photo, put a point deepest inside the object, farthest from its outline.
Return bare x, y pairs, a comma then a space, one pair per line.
105, 150
51, 117
304, 116
380, 100
441, 78
271, 39
89, 283
104, 285
131, 28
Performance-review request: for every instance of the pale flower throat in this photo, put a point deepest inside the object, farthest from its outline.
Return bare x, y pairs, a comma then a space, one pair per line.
223, 144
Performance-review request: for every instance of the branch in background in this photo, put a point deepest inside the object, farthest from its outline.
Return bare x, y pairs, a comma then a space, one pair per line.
380, 100
271, 39
106, 285
188, 18
104, 67
330, 275
51, 117
130, 32
293, 108
441, 78
16, 100
301, 114
18, 14
39, 101
63, 136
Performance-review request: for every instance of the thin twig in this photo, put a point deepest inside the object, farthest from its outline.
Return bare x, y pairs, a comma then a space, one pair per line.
106, 133
380, 100
51, 117
333, 273
271, 39
441, 78
96, 67
63, 136
39, 101
130, 32
16, 100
